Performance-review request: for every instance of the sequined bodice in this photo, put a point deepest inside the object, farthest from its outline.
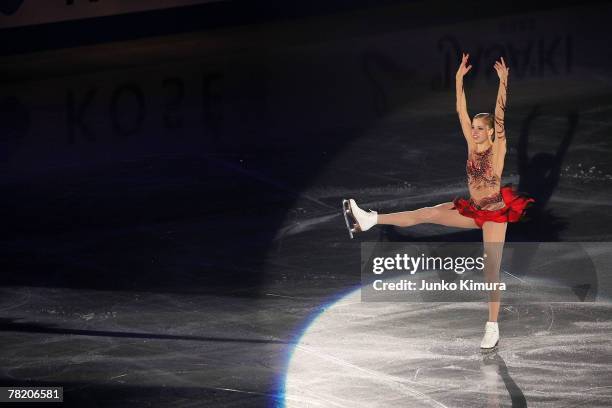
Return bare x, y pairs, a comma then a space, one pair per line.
483, 183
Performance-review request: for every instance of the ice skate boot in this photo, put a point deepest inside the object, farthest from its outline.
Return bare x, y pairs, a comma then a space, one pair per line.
491, 336
356, 219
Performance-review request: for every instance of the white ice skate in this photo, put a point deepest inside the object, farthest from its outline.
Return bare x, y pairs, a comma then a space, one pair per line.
491, 336
356, 219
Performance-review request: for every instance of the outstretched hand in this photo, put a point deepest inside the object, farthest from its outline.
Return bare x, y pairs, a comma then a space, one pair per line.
502, 69
463, 68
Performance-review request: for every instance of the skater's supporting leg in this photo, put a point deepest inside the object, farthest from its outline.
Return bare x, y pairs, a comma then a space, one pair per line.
493, 235
441, 214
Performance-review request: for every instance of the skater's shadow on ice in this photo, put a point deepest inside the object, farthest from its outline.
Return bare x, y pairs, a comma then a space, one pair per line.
539, 178
498, 381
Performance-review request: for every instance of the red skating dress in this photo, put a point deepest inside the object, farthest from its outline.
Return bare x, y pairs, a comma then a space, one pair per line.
489, 202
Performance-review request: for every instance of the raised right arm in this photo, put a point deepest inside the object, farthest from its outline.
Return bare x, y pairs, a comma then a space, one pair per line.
464, 117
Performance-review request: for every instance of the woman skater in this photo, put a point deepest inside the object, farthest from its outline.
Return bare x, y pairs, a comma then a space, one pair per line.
490, 206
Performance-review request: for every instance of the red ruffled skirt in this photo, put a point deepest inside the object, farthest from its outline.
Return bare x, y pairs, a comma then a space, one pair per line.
516, 204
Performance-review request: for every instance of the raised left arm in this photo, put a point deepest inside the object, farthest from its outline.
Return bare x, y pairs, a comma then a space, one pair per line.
500, 103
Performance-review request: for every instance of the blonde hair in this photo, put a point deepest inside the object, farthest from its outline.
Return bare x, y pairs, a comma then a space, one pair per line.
487, 117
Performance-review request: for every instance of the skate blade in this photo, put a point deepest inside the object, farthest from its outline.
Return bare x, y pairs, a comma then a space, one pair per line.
348, 214
490, 349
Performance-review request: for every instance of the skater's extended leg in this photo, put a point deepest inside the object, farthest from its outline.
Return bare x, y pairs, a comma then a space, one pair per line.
441, 214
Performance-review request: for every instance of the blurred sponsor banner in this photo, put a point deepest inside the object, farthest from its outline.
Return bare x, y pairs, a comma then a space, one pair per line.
250, 87
15, 13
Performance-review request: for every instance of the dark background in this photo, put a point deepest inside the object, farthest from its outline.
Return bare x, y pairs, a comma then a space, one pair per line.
204, 150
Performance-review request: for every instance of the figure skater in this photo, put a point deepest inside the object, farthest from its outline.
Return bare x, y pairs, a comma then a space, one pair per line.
490, 206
